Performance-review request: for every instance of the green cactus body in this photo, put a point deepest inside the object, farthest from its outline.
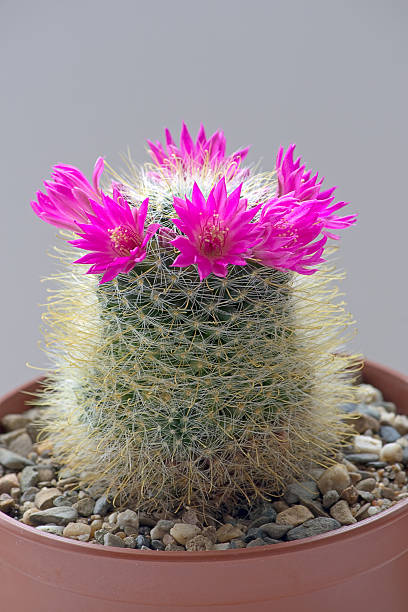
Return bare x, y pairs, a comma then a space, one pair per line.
180, 392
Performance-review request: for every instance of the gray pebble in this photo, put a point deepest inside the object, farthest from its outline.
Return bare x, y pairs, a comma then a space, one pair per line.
271, 541
109, 539
141, 540
361, 458
306, 489
251, 534
262, 520
389, 434
376, 464
130, 542
366, 495
61, 500
157, 545
313, 527
60, 516
100, 534
256, 542
272, 530
102, 506
29, 477
264, 510
29, 494
85, 506
405, 456
330, 498
13, 461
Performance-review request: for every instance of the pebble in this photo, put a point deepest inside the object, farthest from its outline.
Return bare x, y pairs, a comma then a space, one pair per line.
109, 539
222, 546
7, 482
330, 498
350, 495
404, 459
366, 444
60, 516
10, 422
257, 542
391, 453
29, 477
44, 499
85, 506
273, 530
313, 527
163, 526
102, 506
54, 529
364, 422
389, 434
22, 445
335, 478
74, 530
13, 461
226, 533
182, 532
366, 496
128, 521
29, 494
368, 484
362, 458
199, 542
314, 506
401, 424
306, 489
141, 540
341, 512
130, 542
261, 520
296, 515
6, 502
368, 394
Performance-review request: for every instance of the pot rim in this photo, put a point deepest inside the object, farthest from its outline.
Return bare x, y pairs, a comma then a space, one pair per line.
378, 521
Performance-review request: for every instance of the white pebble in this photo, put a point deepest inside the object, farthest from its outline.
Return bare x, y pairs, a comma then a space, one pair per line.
365, 444
391, 453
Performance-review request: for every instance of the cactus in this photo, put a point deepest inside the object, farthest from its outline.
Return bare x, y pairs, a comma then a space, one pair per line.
176, 391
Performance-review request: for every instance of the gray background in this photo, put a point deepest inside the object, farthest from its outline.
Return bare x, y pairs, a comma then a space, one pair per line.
85, 78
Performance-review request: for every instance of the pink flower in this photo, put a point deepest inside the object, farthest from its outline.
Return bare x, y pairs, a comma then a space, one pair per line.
68, 194
192, 156
290, 229
115, 236
217, 231
294, 180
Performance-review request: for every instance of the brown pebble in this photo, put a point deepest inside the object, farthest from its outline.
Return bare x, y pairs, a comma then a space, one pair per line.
350, 495
228, 532
45, 498
8, 482
296, 515
280, 506
341, 512
6, 502
335, 478
74, 530
355, 477
210, 532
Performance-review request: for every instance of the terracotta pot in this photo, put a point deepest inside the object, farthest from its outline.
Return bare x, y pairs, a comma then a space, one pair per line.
364, 566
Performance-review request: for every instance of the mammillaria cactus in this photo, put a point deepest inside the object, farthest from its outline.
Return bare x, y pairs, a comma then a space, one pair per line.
196, 360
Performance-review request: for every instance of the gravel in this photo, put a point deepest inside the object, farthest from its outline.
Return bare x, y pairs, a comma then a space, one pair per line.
368, 478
